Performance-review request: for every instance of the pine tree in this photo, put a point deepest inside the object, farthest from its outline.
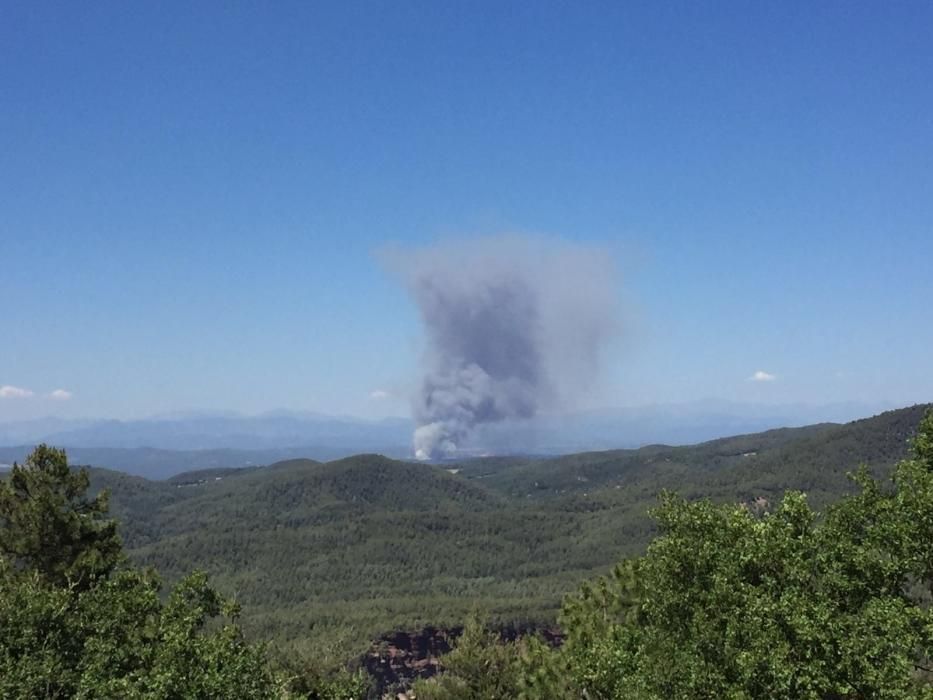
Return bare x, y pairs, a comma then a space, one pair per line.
48, 524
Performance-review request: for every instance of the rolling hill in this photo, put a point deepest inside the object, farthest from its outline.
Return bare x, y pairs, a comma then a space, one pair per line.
334, 553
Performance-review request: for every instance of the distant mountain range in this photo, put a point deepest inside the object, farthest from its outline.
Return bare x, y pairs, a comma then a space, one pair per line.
160, 446
212, 431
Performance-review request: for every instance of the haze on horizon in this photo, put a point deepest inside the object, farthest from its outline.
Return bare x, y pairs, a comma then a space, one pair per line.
195, 201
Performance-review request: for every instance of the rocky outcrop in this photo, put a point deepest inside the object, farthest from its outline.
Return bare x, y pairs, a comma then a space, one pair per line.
397, 659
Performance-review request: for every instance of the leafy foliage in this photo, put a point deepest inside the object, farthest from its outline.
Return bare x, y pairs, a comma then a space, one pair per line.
117, 639
735, 606
479, 667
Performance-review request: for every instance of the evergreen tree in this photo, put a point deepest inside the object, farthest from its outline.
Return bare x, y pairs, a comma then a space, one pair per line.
48, 525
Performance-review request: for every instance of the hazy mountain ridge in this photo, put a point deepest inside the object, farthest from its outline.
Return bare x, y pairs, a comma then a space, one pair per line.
199, 432
170, 444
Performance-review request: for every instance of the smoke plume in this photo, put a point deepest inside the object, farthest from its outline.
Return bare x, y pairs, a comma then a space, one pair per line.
514, 325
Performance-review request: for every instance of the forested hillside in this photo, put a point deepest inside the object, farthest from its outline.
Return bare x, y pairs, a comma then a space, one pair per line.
335, 553
769, 601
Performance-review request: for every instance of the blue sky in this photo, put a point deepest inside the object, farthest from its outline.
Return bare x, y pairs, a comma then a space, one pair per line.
191, 195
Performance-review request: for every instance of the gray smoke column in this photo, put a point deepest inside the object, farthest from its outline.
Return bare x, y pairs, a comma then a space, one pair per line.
514, 325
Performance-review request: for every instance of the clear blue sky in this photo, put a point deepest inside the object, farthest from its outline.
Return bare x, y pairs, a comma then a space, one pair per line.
191, 193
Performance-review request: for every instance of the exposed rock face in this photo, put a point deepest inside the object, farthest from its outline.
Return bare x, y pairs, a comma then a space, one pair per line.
758, 507
399, 658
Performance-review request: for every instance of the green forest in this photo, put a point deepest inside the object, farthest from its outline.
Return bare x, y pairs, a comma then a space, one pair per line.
796, 563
